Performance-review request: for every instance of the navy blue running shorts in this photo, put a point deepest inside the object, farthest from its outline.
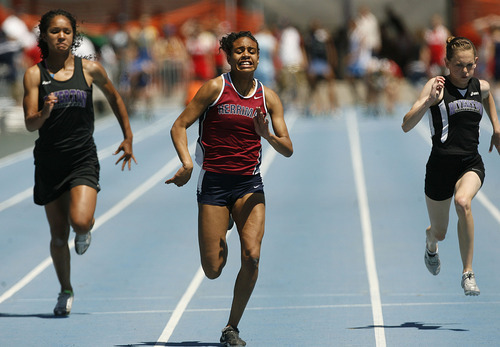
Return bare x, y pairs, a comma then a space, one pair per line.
223, 189
443, 172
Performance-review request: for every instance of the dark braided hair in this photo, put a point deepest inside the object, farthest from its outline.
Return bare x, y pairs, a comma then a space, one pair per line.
226, 42
44, 26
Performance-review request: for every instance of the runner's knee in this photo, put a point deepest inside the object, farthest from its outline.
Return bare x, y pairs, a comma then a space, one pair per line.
58, 242
251, 262
439, 232
212, 271
81, 225
462, 205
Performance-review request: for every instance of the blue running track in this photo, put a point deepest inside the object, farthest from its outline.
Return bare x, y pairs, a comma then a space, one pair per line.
342, 258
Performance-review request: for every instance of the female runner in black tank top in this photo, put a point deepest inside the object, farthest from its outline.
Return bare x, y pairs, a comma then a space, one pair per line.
455, 167
58, 103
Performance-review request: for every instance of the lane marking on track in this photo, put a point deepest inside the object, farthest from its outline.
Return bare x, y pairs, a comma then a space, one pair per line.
102, 154
364, 210
112, 212
179, 310
16, 199
301, 307
277, 308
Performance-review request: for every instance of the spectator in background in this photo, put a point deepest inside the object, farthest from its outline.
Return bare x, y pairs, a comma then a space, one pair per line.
358, 58
15, 40
268, 45
382, 81
220, 30
171, 53
119, 39
364, 42
435, 37
292, 80
483, 27
417, 68
496, 60
141, 66
140, 69
322, 58
8, 51
397, 40
200, 45
369, 29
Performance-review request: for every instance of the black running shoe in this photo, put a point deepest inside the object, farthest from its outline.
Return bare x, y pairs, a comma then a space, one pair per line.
231, 337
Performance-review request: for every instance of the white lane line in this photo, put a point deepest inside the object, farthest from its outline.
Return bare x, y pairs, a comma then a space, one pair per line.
26, 279
115, 210
480, 196
371, 268
16, 199
300, 307
16, 157
102, 154
140, 135
486, 202
287, 308
181, 306
179, 310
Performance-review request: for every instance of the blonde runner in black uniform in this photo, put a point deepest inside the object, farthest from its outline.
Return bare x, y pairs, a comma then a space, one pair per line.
58, 103
455, 167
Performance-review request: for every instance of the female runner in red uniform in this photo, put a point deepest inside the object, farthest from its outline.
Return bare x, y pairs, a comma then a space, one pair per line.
234, 111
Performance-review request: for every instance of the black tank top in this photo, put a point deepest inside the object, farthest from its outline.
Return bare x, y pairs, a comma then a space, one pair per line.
68, 132
455, 120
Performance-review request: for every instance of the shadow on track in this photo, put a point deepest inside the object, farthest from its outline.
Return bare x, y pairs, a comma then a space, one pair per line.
185, 343
416, 325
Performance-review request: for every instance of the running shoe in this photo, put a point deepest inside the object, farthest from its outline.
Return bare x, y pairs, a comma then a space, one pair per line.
231, 337
432, 261
64, 303
82, 242
469, 284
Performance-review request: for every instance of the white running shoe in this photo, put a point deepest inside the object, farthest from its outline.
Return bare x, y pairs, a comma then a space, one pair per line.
432, 261
82, 242
64, 303
469, 284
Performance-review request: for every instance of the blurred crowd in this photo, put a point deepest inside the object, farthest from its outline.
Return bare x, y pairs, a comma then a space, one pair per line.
372, 56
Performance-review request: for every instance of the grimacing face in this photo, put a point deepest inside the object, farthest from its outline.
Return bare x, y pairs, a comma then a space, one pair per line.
244, 55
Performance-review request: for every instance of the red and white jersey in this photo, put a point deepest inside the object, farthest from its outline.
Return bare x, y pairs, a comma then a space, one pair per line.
227, 140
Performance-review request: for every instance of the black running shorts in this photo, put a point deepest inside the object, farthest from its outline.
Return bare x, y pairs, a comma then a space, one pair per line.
443, 172
52, 180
